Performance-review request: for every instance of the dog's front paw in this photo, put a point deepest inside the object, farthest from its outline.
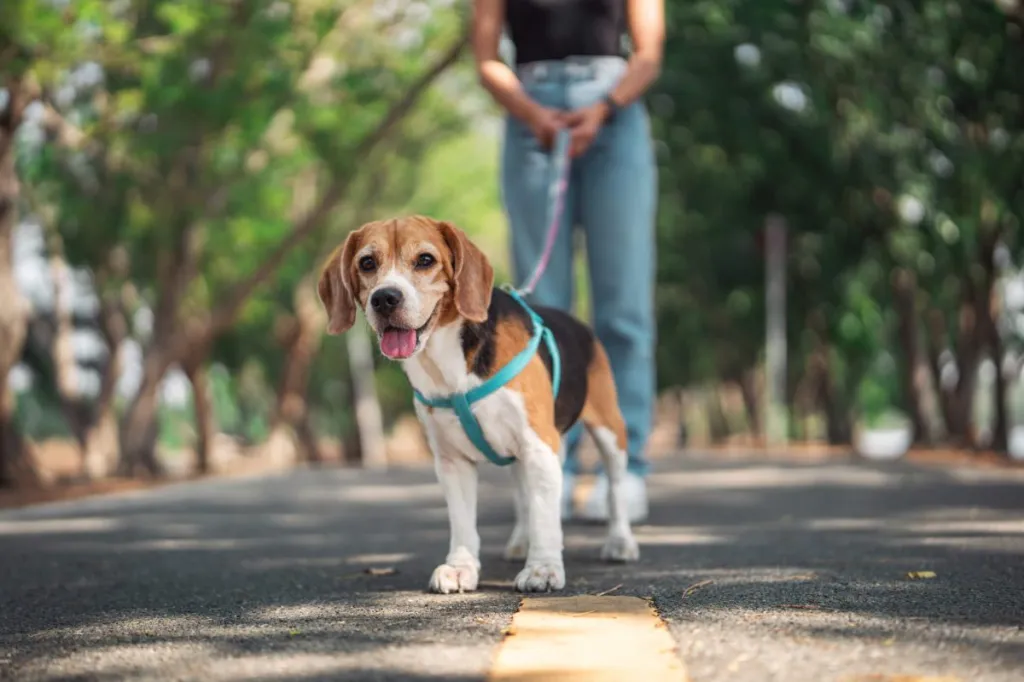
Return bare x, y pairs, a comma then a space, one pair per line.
620, 548
447, 579
541, 578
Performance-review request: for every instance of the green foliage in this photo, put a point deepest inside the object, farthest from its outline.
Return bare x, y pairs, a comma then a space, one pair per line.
883, 133
886, 135
175, 427
204, 134
38, 414
226, 412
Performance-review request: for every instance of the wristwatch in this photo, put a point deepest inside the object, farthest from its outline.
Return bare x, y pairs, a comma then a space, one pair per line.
613, 106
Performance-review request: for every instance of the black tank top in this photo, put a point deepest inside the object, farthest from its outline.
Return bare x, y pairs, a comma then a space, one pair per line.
556, 29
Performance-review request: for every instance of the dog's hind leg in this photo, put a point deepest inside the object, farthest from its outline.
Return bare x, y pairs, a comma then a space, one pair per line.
519, 542
604, 421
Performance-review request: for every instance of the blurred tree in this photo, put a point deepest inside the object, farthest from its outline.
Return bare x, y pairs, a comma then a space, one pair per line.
38, 47
206, 120
849, 119
190, 154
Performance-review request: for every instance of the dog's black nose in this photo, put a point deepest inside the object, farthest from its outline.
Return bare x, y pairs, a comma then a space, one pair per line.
385, 301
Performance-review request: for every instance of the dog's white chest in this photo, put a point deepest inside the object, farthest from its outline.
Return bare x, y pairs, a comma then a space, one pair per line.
440, 369
502, 417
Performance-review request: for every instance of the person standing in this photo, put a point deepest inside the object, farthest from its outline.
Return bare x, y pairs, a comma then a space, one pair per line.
570, 72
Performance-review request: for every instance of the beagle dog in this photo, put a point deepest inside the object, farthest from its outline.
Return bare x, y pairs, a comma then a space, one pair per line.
428, 293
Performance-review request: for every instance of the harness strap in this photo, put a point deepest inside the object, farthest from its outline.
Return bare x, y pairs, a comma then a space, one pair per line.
549, 341
475, 432
460, 402
556, 361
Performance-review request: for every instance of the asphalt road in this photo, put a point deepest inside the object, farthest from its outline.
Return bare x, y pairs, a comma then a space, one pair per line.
764, 571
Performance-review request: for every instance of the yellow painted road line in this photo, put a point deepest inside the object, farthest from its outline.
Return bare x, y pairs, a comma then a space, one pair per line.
587, 639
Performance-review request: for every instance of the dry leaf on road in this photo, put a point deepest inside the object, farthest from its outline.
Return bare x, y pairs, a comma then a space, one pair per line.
696, 586
386, 570
608, 591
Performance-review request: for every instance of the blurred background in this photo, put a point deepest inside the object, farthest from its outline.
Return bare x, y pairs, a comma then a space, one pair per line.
839, 233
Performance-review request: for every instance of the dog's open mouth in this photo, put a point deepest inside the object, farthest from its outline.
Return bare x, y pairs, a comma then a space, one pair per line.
399, 343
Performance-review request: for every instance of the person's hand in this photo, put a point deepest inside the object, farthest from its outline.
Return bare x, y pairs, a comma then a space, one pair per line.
545, 123
584, 125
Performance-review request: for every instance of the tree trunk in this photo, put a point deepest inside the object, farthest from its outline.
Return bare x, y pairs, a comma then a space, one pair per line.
967, 357
17, 467
309, 445
947, 398
837, 422
172, 342
718, 426
102, 448
1000, 438
837, 418
748, 387
139, 427
805, 398
987, 322
369, 421
904, 291
140, 430
683, 403
300, 336
205, 424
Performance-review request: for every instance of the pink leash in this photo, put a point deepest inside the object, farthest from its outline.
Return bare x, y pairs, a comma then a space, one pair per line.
556, 205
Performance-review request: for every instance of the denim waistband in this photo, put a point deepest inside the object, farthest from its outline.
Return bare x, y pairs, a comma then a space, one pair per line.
571, 69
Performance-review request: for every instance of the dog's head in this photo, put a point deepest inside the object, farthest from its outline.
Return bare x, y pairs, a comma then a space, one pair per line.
409, 275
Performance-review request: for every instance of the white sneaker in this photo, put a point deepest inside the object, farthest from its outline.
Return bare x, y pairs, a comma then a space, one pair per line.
634, 488
568, 485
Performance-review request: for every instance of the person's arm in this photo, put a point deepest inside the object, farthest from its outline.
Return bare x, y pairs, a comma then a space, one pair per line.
647, 29
499, 80
495, 75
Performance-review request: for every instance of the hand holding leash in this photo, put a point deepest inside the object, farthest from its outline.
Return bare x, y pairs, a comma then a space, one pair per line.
545, 124
585, 124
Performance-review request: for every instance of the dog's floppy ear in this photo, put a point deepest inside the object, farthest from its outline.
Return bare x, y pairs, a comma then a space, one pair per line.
473, 278
336, 289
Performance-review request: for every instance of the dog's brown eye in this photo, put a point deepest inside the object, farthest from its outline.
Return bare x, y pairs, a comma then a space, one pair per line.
425, 260
367, 264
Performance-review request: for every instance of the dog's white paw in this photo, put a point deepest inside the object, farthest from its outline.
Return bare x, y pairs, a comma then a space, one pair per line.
620, 548
518, 544
447, 579
541, 578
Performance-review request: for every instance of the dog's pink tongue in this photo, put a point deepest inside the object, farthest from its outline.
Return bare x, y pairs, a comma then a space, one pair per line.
398, 343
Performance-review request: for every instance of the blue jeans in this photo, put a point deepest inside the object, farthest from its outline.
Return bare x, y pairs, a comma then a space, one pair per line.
612, 197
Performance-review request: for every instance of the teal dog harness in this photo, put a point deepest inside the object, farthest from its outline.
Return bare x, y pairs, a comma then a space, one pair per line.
460, 402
